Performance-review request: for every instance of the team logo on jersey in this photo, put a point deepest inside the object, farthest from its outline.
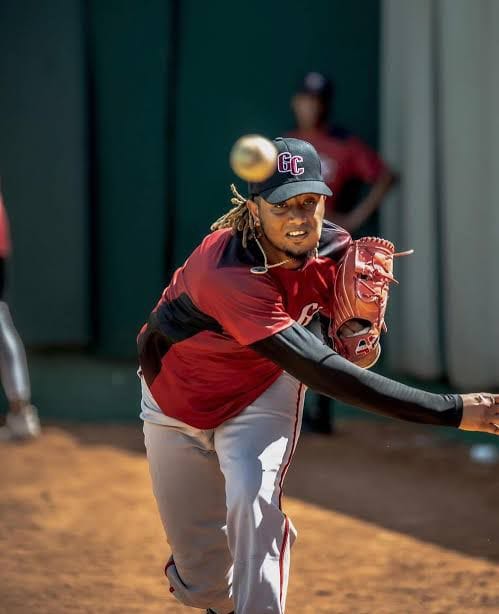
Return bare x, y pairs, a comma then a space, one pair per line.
307, 313
286, 163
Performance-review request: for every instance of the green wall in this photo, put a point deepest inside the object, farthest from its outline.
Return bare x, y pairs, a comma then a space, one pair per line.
128, 49
43, 165
105, 65
238, 74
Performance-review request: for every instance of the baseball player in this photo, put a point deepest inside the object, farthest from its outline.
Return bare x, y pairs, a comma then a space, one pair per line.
225, 359
22, 420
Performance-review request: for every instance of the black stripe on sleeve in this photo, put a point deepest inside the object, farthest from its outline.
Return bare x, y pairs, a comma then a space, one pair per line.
171, 323
301, 354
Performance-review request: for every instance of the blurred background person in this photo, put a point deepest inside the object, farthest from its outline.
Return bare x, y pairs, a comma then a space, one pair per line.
350, 167
348, 164
22, 420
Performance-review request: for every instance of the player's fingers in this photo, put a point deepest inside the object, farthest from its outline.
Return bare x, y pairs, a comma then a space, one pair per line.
346, 330
493, 429
487, 399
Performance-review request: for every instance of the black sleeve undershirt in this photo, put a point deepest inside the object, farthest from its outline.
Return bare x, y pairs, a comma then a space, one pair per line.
300, 353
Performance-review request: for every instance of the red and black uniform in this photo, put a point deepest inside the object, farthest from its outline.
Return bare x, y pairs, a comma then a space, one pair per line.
220, 335
212, 312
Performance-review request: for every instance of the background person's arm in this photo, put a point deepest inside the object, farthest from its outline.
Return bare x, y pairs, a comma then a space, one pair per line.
354, 219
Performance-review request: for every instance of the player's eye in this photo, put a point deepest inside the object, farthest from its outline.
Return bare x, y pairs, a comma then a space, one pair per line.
280, 206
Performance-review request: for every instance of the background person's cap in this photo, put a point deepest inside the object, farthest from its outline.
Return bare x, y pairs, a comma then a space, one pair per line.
298, 172
316, 84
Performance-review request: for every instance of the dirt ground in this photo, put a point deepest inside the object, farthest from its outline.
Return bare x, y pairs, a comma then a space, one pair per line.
388, 521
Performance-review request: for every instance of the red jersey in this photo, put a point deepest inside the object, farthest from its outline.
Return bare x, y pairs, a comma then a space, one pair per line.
5, 245
343, 159
195, 352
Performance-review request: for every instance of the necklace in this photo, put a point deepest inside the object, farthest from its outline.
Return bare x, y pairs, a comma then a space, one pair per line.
261, 270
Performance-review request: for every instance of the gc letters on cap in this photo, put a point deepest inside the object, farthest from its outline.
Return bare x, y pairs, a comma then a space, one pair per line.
286, 163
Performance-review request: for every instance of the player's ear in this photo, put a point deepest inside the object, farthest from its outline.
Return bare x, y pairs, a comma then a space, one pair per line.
253, 209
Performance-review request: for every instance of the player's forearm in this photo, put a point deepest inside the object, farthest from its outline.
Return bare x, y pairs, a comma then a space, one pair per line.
302, 355
380, 189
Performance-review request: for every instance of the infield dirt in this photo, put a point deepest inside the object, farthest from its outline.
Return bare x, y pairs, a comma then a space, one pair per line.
390, 520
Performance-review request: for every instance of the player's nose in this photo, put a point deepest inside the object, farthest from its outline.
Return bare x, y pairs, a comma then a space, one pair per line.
297, 215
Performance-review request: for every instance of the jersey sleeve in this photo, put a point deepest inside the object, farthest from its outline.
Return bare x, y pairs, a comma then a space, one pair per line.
247, 306
367, 163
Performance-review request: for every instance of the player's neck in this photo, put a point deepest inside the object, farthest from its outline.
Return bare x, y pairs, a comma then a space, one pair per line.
276, 256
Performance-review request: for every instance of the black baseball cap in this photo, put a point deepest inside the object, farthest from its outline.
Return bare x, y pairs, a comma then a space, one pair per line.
317, 84
298, 172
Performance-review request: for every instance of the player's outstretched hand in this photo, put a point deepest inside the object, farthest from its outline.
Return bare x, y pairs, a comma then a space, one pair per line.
480, 412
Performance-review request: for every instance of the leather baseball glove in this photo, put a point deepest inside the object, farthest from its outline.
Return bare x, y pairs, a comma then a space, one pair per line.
360, 298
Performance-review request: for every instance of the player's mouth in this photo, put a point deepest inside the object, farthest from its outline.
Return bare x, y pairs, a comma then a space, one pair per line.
297, 235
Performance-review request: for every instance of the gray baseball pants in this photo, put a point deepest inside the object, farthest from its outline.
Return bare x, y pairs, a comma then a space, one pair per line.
13, 365
219, 496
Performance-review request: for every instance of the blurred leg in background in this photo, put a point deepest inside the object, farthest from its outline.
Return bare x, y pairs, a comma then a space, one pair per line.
319, 418
22, 420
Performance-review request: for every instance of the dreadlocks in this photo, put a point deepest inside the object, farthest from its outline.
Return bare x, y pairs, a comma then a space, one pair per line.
238, 218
